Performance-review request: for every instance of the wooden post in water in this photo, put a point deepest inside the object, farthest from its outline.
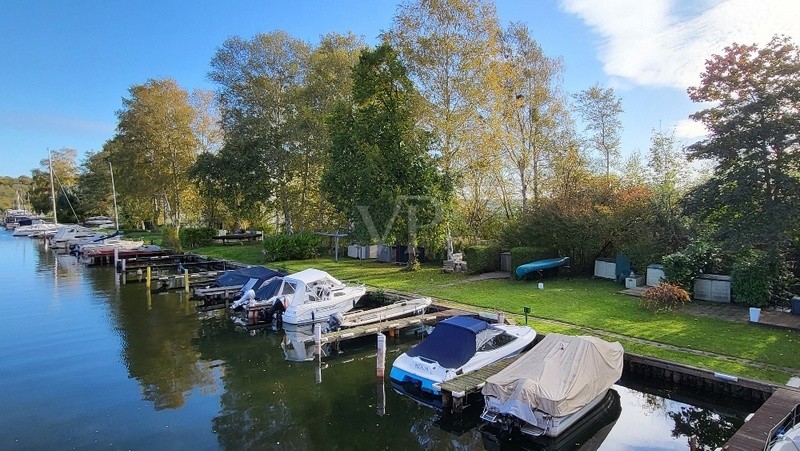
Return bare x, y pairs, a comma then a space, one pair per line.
186, 280
149, 273
381, 357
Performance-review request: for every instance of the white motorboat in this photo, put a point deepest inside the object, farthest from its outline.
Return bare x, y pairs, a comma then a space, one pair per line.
34, 229
106, 246
786, 435
101, 222
312, 296
458, 345
553, 386
71, 234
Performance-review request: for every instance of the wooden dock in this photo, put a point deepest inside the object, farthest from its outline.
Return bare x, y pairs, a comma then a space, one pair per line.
753, 434
457, 391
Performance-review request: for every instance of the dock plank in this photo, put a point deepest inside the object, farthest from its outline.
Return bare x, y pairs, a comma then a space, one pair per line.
754, 433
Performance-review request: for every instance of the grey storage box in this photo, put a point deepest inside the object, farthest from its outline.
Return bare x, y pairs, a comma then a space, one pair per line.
712, 287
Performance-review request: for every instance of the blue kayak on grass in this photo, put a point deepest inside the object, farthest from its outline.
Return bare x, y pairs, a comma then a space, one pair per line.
538, 265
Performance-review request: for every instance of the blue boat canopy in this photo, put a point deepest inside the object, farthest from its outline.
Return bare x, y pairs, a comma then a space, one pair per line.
242, 276
452, 343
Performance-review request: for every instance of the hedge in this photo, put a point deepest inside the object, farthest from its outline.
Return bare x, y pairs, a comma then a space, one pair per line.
197, 237
522, 255
482, 259
297, 246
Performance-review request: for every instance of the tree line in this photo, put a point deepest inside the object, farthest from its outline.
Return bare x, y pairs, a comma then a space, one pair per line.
454, 124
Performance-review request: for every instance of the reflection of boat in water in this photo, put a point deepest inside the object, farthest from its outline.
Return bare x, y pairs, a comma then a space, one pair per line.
298, 344
553, 386
458, 345
786, 435
587, 434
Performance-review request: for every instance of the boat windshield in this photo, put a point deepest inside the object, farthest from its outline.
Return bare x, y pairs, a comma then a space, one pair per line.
494, 339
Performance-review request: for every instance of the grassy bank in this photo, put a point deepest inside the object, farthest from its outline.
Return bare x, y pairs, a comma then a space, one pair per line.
580, 306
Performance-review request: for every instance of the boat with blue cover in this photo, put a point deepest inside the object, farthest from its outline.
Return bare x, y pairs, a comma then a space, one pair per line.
458, 345
540, 265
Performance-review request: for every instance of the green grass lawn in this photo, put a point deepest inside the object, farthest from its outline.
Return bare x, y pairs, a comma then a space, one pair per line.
576, 306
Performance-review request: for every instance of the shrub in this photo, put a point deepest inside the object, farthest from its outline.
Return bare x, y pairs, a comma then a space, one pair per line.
522, 255
698, 257
759, 279
196, 237
482, 259
297, 246
664, 297
169, 238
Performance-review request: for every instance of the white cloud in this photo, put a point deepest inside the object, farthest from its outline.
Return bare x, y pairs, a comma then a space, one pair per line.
666, 42
689, 129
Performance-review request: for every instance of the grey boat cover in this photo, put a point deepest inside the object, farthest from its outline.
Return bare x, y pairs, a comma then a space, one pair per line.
559, 375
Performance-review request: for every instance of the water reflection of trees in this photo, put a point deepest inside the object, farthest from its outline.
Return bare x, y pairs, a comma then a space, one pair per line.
157, 344
271, 403
710, 429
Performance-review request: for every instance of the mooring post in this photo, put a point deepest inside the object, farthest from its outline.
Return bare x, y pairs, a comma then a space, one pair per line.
149, 273
186, 280
116, 259
381, 357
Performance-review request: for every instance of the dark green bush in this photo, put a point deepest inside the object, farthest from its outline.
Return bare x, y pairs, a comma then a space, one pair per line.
297, 246
482, 259
760, 279
664, 297
197, 237
698, 257
522, 255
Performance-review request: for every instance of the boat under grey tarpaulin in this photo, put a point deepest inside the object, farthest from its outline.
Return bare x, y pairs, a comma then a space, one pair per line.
552, 386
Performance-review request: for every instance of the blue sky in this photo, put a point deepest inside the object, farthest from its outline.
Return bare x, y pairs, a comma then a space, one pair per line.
68, 64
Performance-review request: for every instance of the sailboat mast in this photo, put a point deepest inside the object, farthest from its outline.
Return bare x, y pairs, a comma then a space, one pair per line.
52, 189
114, 191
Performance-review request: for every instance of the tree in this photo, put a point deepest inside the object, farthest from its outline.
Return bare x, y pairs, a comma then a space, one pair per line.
445, 45
156, 145
527, 109
94, 185
258, 88
753, 196
65, 174
379, 161
666, 164
600, 109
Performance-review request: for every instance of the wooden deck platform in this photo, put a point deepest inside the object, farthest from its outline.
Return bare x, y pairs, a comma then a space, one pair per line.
455, 392
778, 319
753, 435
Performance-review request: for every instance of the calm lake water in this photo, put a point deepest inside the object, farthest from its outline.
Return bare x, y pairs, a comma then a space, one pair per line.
86, 363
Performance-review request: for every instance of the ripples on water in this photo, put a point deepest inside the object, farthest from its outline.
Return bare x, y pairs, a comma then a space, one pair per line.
87, 363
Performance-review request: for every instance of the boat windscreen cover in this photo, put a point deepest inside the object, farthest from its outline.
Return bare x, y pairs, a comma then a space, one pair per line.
558, 376
452, 343
241, 276
269, 290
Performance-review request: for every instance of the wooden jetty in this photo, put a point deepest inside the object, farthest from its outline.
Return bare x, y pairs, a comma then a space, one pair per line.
456, 392
754, 433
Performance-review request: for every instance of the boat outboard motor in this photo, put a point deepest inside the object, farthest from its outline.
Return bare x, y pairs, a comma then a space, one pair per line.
244, 300
335, 320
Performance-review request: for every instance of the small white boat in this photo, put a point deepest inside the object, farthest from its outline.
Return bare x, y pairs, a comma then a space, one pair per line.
102, 222
313, 296
32, 229
106, 246
395, 310
786, 435
552, 386
71, 234
458, 345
